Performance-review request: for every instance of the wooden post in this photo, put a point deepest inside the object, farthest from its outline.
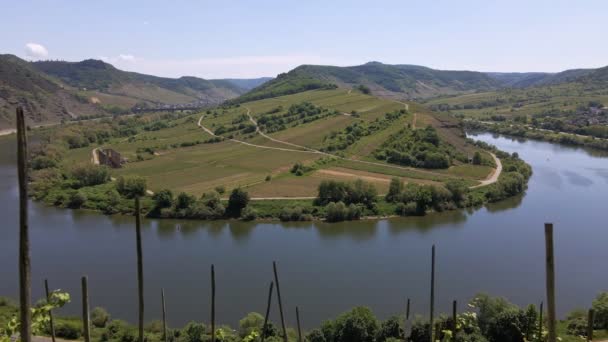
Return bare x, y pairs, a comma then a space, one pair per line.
140, 269
540, 324
454, 317
407, 318
162, 296
431, 328
276, 280
85, 311
298, 321
212, 303
48, 299
590, 320
267, 311
25, 273
550, 277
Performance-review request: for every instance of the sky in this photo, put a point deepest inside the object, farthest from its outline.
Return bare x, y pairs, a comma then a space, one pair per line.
245, 39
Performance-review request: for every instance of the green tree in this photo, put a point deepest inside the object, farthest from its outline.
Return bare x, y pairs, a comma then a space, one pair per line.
163, 199
600, 305
131, 187
184, 201
359, 324
477, 158
394, 190
390, 329
252, 322
237, 201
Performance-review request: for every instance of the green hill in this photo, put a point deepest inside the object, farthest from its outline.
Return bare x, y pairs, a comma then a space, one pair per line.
97, 76
51, 91
392, 81
44, 100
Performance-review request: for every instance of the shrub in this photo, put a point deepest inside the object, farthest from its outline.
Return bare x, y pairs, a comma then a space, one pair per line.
335, 212
99, 317
249, 214
252, 322
358, 324
70, 330
88, 174
600, 305
77, 199
220, 189
163, 199
131, 187
42, 162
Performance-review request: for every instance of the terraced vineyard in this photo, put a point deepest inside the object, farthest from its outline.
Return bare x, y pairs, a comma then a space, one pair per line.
184, 157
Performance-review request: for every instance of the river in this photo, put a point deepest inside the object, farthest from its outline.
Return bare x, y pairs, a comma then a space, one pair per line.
326, 269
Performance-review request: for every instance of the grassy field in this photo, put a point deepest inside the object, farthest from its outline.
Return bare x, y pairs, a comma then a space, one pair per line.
177, 156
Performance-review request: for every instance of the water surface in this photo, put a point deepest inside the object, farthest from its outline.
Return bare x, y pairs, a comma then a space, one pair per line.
326, 269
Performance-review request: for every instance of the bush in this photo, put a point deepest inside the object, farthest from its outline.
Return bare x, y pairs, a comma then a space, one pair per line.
335, 212
163, 199
252, 322
358, 324
390, 329
70, 330
220, 189
42, 162
600, 305
131, 187
99, 317
249, 214
77, 199
89, 174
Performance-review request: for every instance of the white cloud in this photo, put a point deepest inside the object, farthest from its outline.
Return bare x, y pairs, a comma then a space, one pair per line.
126, 58
36, 50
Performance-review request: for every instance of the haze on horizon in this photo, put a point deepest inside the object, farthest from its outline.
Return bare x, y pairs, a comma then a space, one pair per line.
242, 39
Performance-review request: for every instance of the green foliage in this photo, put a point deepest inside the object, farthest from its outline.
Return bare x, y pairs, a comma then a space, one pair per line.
337, 141
39, 315
163, 199
359, 324
336, 212
297, 114
390, 329
600, 305
99, 317
417, 148
237, 201
250, 323
358, 192
86, 174
394, 190
132, 186
249, 214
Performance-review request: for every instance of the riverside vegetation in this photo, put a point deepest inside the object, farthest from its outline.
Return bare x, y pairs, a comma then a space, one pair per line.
487, 318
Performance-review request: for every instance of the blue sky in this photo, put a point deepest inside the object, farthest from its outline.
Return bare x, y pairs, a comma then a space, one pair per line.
224, 38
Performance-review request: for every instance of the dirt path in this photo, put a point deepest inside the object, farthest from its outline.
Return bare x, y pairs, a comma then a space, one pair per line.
493, 178
95, 156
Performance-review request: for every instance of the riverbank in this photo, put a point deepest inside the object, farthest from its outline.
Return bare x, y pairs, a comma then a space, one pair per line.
525, 131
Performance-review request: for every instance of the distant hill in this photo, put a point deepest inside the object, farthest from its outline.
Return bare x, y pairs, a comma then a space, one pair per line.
52, 91
44, 100
247, 83
532, 79
97, 76
393, 81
